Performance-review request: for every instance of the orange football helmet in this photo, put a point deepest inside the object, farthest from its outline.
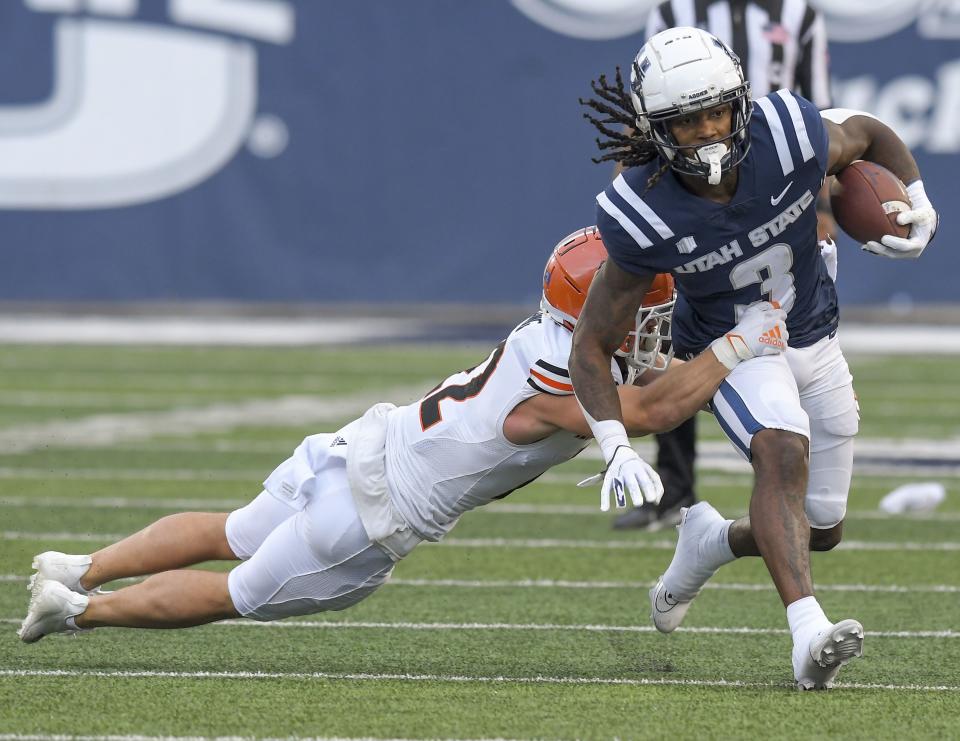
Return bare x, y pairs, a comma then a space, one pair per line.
567, 278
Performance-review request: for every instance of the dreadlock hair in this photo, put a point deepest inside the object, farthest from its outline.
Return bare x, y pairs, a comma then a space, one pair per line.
616, 107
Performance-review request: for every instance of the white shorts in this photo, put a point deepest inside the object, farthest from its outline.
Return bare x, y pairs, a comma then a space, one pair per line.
808, 391
306, 556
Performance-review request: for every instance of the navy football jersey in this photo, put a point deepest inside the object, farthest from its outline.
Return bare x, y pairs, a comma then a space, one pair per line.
760, 246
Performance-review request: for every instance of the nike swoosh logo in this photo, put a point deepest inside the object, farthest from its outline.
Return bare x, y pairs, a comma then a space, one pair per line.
664, 601
775, 201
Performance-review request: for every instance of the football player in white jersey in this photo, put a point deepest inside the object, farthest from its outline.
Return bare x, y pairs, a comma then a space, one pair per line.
335, 517
720, 192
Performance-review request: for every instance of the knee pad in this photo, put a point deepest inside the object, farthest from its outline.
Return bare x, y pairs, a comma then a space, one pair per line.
831, 467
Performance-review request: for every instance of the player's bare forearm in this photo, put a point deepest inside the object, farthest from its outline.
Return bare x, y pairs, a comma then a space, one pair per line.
888, 149
590, 372
607, 316
865, 138
676, 395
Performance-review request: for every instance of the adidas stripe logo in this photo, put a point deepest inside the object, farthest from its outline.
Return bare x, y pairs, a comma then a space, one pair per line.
773, 337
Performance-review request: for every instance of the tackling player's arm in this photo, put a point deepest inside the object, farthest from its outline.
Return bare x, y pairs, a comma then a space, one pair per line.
855, 135
677, 394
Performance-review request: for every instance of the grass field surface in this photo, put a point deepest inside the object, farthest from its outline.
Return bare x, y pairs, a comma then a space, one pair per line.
530, 621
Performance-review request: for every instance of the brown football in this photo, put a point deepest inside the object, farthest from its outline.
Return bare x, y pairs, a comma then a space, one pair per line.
866, 199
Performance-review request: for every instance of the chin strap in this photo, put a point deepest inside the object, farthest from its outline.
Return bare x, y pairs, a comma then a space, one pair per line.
712, 155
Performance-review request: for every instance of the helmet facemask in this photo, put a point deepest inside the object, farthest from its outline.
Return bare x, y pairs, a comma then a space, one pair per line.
646, 343
713, 160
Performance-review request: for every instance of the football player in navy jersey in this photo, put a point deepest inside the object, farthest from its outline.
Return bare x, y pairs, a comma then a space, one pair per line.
720, 192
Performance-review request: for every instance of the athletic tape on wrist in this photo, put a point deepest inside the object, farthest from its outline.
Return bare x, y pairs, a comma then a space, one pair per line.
725, 352
610, 434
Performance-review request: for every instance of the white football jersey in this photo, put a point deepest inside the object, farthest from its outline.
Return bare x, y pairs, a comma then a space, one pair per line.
447, 454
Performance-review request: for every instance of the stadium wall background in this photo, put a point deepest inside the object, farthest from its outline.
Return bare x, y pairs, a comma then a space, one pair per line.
374, 151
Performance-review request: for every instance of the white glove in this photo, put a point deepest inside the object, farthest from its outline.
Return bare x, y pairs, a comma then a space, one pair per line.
923, 220
762, 330
625, 472
828, 252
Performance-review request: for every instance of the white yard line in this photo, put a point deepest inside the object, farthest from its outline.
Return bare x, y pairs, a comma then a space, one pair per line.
583, 509
849, 545
188, 503
139, 399
897, 447
77, 537
308, 624
106, 429
137, 474
176, 503
538, 627
38, 329
864, 339
453, 678
896, 471
616, 545
639, 585
631, 585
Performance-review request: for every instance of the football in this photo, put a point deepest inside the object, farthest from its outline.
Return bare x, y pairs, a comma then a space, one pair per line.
866, 199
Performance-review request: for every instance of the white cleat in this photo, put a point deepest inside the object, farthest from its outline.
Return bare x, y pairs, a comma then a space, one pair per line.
817, 664
671, 596
51, 604
665, 609
63, 568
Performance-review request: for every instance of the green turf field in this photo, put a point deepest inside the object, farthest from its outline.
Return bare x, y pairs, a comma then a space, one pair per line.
530, 622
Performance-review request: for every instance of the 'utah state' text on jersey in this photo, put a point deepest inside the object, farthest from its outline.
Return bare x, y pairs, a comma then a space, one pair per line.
762, 245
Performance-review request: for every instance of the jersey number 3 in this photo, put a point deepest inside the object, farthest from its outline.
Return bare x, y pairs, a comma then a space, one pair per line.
771, 269
430, 406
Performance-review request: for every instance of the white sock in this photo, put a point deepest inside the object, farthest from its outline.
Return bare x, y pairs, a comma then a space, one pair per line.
806, 618
715, 546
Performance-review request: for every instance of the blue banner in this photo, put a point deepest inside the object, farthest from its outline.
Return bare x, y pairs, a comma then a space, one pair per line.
371, 151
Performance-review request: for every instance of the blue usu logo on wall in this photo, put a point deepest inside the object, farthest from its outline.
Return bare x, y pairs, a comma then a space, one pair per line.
140, 110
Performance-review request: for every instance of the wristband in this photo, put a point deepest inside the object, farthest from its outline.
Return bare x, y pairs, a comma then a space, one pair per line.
610, 434
723, 348
918, 196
